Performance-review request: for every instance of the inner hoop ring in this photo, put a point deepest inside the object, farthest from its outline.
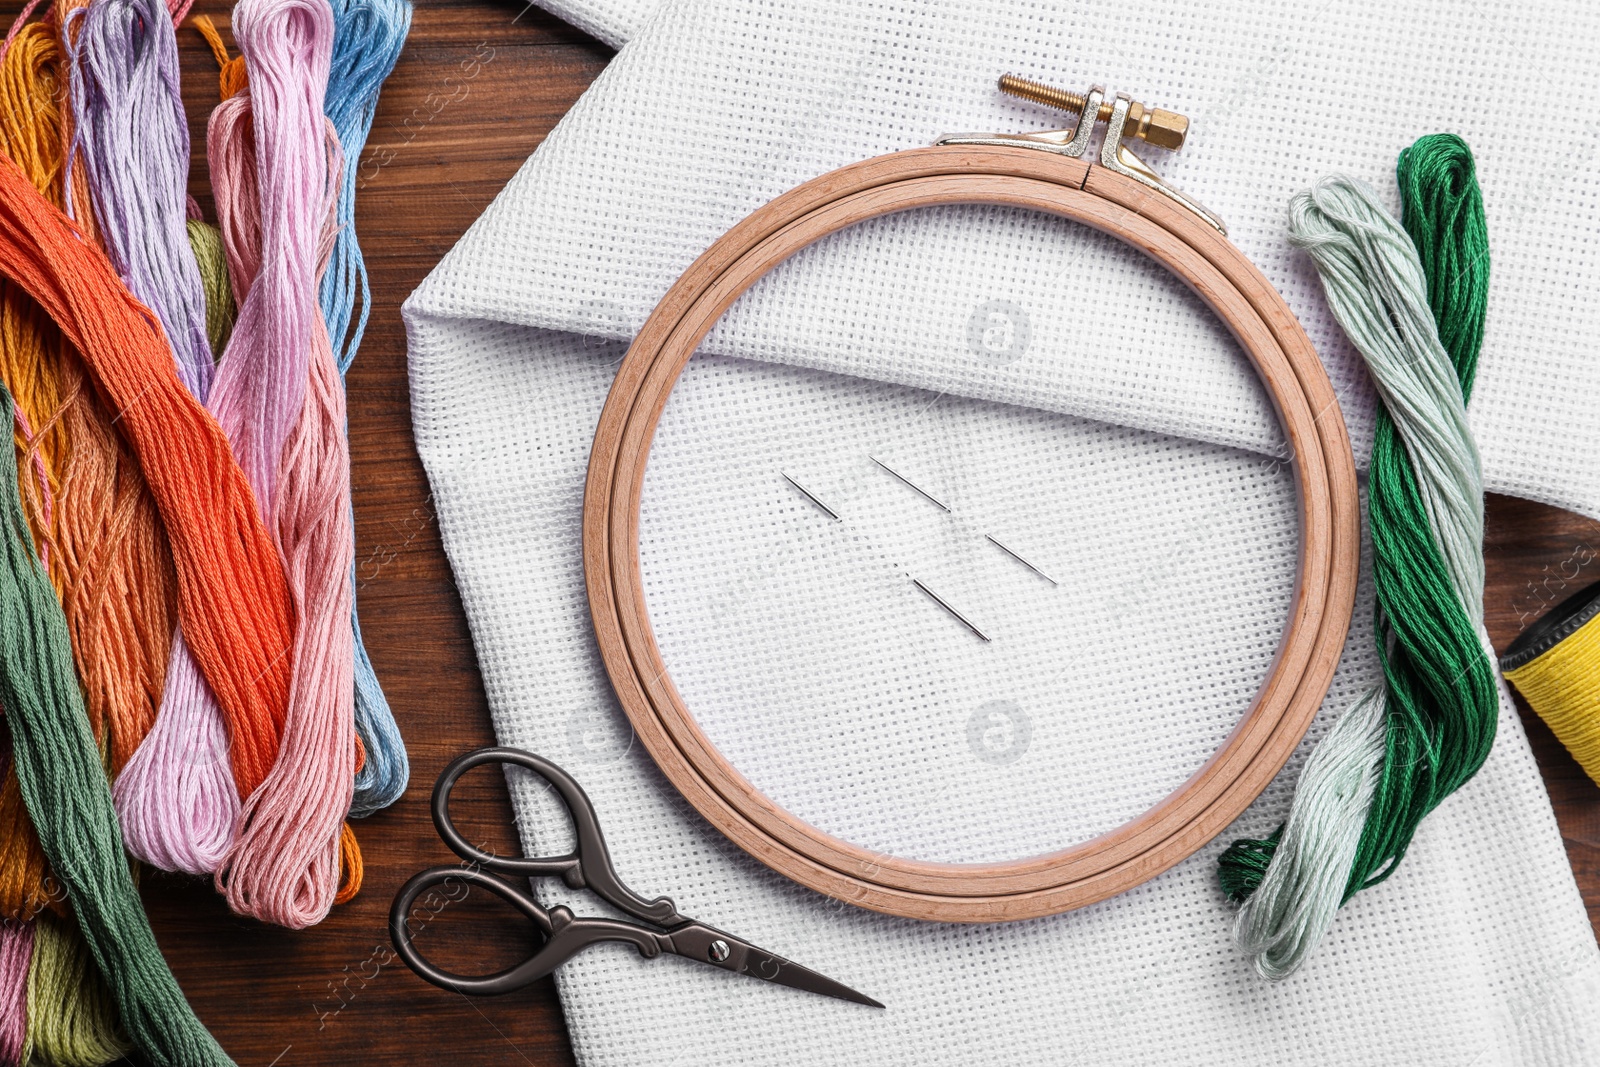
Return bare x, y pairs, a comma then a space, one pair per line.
1313, 636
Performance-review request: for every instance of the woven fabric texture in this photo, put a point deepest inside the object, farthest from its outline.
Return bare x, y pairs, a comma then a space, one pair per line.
723, 105
611, 21
1058, 392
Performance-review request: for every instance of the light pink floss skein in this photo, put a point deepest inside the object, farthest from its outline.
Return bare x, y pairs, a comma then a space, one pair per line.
284, 865
175, 796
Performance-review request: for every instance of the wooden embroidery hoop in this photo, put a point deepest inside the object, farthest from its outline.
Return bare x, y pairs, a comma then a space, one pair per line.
983, 169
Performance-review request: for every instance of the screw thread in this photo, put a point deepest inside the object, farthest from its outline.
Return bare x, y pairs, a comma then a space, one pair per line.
1040, 93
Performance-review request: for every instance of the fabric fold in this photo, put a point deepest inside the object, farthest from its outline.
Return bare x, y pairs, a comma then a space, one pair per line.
1057, 390
636, 181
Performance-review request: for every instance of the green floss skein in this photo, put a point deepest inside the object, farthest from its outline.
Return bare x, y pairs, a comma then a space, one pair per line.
1412, 300
1439, 675
206, 240
72, 1019
69, 800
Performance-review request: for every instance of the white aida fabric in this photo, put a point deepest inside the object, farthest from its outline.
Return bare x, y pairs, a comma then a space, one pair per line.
612, 21
1058, 392
721, 106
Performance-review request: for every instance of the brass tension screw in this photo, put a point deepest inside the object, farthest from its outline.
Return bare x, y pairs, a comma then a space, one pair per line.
1152, 125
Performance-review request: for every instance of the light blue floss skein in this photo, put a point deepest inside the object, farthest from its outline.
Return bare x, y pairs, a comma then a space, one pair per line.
368, 37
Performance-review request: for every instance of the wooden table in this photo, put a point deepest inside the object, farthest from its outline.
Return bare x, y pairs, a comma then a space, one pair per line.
335, 994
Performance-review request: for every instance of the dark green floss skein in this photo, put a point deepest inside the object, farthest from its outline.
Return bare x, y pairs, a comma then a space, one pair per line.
1442, 700
69, 799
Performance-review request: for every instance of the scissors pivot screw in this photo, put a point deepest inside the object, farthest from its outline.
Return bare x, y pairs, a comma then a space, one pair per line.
718, 951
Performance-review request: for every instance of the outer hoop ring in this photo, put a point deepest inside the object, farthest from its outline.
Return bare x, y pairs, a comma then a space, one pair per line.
1313, 638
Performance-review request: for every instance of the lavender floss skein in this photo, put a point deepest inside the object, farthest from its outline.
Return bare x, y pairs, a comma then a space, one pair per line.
175, 796
134, 138
368, 37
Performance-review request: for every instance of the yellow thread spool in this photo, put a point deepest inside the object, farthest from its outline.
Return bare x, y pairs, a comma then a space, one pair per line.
1555, 665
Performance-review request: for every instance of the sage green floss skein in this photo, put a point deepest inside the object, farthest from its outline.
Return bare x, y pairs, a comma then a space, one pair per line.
1412, 300
69, 800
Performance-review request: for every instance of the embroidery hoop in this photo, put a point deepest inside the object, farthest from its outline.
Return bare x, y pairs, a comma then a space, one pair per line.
1043, 173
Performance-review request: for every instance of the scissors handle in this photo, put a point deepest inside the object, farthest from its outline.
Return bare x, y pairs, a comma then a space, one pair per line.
564, 935
588, 865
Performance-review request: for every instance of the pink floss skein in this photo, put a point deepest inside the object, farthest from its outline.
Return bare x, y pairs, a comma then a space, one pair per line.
175, 796
16, 952
283, 407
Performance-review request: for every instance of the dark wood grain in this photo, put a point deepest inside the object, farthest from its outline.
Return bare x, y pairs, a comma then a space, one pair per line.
445, 141
1536, 556
443, 146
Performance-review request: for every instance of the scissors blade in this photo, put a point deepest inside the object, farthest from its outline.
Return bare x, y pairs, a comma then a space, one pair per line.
764, 965
696, 941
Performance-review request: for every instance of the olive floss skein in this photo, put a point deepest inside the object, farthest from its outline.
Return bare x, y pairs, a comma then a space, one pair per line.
206, 240
72, 1015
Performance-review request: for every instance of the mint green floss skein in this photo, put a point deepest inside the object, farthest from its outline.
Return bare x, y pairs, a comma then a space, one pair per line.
1414, 306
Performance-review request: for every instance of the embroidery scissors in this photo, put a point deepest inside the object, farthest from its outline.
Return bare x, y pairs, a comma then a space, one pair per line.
587, 866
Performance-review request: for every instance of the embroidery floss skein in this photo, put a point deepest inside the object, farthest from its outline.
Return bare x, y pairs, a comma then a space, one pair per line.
16, 950
285, 866
107, 555
367, 38
175, 795
1413, 305
58, 766
72, 1016
232, 597
206, 240
133, 138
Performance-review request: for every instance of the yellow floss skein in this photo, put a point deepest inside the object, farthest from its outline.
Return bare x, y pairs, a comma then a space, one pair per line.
1555, 665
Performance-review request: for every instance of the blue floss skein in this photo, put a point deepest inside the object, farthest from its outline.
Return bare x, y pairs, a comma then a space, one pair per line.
368, 37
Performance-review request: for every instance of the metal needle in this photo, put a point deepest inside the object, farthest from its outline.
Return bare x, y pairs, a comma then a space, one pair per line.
939, 503
1014, 554
809, 495
945, 604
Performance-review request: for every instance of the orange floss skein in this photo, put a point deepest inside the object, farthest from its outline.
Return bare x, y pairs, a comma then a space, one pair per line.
233, 599
101, 542
110, 561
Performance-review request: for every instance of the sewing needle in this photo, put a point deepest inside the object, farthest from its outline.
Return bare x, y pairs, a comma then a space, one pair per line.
1014, 554
936, 501
809, 495
945, 604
